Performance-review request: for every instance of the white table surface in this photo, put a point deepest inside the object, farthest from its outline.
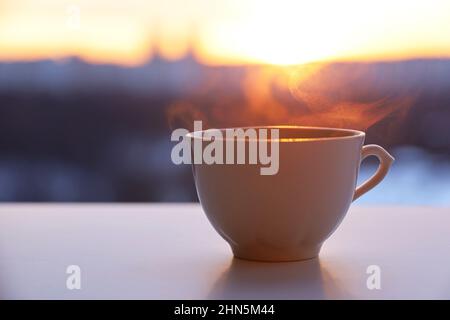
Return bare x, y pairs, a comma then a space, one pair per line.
170, 251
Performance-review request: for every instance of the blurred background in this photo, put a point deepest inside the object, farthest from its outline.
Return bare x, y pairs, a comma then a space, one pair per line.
90, 90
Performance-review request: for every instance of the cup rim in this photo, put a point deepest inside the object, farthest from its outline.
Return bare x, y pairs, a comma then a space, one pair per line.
351, 133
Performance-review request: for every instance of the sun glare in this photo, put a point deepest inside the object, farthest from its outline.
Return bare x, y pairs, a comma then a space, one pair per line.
284, 34
290, 32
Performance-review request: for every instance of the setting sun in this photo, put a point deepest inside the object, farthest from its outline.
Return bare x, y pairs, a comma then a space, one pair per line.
290, 32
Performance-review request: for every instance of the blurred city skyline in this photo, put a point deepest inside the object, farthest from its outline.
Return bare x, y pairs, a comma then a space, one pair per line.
224, 32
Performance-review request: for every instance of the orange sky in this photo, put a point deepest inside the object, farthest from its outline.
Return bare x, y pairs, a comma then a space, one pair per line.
225, 31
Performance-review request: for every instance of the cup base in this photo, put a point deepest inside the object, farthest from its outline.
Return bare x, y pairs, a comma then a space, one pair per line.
263, 254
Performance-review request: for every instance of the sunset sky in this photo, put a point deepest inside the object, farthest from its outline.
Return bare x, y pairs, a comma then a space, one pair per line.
224, 31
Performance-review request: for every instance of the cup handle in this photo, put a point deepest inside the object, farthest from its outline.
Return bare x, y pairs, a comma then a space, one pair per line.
386, 161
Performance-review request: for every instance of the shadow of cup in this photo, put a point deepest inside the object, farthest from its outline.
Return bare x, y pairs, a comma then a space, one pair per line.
285, 280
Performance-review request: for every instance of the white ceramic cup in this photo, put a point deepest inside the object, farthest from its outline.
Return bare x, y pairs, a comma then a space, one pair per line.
288, 216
